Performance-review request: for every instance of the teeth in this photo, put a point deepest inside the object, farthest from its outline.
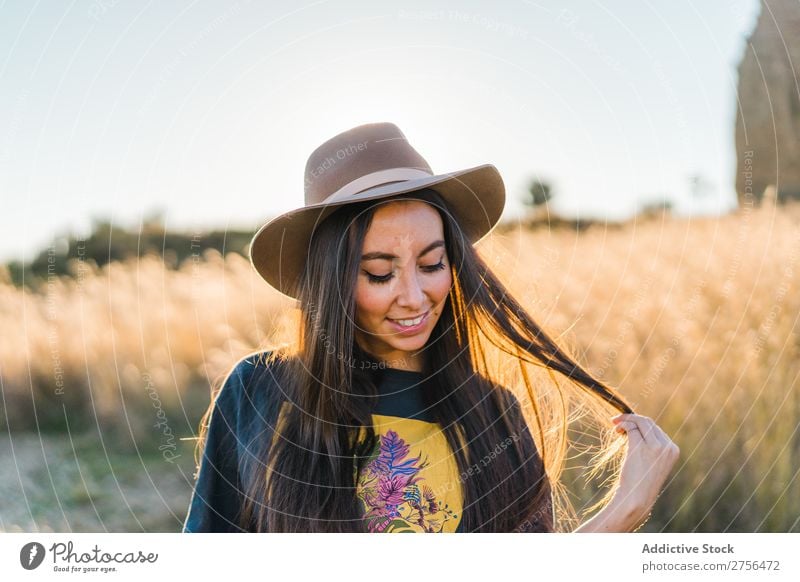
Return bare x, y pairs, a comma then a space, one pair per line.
409, 322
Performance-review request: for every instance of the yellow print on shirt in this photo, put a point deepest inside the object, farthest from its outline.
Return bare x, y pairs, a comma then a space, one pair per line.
395, 497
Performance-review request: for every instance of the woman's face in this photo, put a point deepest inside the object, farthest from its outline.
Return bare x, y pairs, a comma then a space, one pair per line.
404, 275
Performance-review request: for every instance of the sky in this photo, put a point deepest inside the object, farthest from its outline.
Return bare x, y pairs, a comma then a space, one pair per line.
205, 112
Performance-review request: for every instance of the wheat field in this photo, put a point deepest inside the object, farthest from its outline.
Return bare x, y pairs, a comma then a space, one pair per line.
694, 320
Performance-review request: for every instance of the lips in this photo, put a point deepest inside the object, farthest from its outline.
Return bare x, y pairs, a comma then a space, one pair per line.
410, 330
410, 321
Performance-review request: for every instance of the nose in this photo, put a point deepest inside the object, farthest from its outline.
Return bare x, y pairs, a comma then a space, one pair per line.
410, 294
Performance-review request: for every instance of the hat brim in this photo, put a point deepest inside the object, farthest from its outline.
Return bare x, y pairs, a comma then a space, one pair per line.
278, 250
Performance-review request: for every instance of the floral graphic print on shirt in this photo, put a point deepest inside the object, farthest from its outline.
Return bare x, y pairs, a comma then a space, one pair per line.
397, 491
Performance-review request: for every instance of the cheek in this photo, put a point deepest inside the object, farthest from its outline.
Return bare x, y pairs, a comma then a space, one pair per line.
442, 286
370, 304
439, 291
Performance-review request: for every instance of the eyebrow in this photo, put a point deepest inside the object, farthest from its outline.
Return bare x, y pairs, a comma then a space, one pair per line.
389, 256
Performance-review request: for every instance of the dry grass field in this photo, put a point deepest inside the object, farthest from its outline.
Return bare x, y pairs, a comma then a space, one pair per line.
694, 320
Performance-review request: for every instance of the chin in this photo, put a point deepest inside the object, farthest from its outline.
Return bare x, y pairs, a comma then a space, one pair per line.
411, 344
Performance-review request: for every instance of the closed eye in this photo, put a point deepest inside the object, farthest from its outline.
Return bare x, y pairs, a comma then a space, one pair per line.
386, 278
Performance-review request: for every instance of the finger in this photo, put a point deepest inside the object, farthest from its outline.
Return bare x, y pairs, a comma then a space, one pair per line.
651, 433
634, 421
648, 428
632, 430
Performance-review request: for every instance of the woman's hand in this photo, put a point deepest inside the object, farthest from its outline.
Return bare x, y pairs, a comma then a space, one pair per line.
648, 462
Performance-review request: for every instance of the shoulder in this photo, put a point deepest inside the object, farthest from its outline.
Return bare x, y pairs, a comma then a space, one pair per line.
509, 401
256, 364
506, 407
501, 399
253, 378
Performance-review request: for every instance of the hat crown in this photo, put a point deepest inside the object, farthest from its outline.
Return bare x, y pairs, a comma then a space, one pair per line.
369, 162
361, 151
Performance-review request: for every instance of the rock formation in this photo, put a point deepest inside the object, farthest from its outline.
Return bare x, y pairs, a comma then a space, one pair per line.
768, 115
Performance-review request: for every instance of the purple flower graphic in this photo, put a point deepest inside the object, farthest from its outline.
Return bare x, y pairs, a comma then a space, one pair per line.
393, 451
389, 491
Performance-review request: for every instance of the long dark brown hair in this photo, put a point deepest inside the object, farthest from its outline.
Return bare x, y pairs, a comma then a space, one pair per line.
310, 483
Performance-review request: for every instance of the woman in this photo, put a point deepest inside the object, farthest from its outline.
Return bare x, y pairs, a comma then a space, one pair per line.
386, 414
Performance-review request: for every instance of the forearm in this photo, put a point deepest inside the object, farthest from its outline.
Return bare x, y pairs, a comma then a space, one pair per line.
613, 518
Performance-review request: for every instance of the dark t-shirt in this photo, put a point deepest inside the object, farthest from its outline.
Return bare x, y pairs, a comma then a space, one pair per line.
411, 481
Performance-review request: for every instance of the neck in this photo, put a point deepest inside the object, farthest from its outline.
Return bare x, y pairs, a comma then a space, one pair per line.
409, 361
402, 367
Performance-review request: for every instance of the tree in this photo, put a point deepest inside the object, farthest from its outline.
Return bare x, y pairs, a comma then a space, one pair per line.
656, 207
539, 192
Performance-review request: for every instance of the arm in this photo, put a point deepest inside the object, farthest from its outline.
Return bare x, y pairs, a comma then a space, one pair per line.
614, 517
217, 495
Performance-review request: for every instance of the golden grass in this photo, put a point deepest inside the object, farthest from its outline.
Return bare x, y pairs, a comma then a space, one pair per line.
694, 320
103, 340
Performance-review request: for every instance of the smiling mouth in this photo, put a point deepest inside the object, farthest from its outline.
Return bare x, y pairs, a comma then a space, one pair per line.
410, 321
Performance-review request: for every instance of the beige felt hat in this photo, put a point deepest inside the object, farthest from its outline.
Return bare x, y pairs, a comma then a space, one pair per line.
369, 162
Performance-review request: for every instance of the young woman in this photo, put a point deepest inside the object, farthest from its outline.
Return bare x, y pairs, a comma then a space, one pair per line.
388, 414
